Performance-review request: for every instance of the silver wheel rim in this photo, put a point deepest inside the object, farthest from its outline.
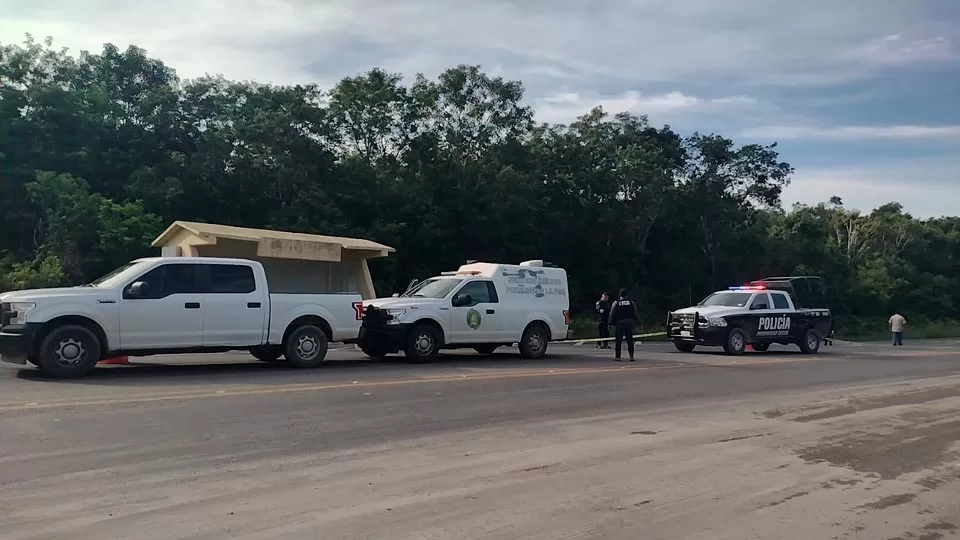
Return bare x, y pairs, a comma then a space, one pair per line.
812, 340
736, 341
424, 344
69, 352
308, 347
535, 342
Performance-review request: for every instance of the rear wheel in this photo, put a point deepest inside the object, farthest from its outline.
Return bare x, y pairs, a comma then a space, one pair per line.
69, 352
684, 346
373, 352
306, 346
810, 342
761, 347
533, 344
423, 344
270, 353
736, 342
485, 349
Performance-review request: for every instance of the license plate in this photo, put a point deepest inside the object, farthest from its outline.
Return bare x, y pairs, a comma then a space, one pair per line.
685, 333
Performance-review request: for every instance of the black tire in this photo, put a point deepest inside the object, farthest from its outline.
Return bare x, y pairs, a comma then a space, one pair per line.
736, 342
485, 349
374, 353
533, 343
423, 344
306, 346
810, 342
684, 346
761, 347
68, 352
270, 354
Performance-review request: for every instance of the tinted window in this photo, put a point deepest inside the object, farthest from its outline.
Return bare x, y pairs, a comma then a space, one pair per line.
780, 301
230, 279
169, 279
478, 291
762, 301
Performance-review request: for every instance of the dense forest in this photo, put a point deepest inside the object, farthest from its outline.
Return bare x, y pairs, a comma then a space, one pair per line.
99, 152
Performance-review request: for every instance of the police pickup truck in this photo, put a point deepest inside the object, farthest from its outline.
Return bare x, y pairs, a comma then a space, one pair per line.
784, 310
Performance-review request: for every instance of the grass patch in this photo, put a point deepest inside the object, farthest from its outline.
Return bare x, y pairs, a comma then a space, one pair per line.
876, 329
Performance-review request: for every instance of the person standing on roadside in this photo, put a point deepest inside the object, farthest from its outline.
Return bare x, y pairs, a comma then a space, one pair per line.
624, 317
897, 322
603, 322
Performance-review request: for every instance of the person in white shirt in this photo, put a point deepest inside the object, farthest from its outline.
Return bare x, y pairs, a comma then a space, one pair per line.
897, 322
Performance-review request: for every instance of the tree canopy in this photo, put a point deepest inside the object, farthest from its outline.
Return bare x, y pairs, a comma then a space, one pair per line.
99, 152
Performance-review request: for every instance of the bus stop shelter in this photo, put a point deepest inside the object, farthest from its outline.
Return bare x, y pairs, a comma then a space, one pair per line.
294, 262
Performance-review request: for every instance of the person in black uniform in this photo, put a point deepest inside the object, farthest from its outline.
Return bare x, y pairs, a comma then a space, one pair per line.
603, 320
624, 317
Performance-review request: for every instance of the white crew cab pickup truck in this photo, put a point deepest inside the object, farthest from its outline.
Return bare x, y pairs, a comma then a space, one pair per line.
169, 305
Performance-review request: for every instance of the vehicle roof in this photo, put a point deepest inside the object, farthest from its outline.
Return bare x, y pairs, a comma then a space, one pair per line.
195, 260
492, 270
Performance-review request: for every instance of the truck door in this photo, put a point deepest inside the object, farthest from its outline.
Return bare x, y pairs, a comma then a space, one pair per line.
166, 312
478, 320
235, 311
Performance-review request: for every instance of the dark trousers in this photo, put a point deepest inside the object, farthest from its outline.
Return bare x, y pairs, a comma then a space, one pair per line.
603, 331
898, 338
624, 331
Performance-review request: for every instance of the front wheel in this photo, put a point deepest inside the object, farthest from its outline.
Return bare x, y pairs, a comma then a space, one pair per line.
736, 342
810, 342
533, 343
423, 344
684, 346
306, 346
68, 352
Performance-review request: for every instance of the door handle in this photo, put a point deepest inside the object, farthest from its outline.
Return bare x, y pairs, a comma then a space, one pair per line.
491, 311
192, 305
253, 305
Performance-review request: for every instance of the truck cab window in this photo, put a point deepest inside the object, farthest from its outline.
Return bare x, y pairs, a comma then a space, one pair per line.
167, 280
479, 292
780, 301
230, 279
761, 301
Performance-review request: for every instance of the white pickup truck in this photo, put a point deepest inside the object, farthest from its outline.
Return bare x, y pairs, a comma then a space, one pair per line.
169, 305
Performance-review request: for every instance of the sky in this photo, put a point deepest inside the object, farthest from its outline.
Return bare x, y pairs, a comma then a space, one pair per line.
862, 96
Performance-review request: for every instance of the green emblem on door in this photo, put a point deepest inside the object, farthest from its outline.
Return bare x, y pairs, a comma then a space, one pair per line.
473, 319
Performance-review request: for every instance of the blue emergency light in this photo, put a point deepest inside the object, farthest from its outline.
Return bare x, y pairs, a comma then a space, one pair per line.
748, 288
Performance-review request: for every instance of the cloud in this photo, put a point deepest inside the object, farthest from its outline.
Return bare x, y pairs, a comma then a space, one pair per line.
926, 188
593, 43
567, 106
852, 133
896, 50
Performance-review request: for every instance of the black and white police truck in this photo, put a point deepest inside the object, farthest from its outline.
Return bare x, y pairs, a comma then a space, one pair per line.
785, 310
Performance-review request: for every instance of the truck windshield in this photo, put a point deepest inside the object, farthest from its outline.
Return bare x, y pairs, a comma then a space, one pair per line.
433, 288
729, 299
117, 276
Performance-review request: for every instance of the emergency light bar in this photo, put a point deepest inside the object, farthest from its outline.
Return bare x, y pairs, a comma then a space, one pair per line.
748, 288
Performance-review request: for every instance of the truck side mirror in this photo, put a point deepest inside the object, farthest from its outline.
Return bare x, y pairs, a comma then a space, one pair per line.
462, 299
137, 289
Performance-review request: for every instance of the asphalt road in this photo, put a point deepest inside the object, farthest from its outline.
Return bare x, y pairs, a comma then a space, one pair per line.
855, 442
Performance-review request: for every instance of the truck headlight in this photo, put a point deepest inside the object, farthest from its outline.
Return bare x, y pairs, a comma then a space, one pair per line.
19, 311
717, 321
395, 315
